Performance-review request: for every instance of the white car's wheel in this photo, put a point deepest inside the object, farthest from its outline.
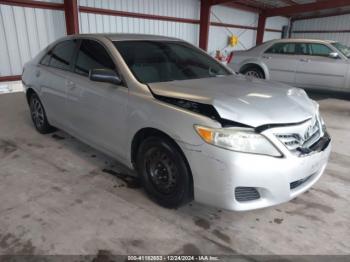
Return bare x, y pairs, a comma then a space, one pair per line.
254, 72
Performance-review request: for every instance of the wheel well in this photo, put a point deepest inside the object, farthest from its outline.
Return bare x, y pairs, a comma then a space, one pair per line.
29, 92
251, 65
144, 133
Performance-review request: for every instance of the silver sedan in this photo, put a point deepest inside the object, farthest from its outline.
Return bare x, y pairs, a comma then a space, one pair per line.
304, 63
190, 127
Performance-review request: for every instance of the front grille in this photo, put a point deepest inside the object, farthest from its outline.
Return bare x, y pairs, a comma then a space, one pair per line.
291, 141
246, 194
304, 137
299, 182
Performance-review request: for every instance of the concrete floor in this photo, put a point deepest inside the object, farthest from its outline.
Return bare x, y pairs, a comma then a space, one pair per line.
56, 199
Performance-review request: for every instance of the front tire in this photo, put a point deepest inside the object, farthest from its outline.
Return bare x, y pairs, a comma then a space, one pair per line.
38, 115
164, 173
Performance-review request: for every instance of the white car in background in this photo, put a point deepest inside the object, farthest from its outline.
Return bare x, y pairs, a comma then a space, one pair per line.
304, 63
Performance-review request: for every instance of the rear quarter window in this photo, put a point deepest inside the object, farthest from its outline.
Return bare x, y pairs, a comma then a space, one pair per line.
46, 59
62, 54
92, 55
319, 50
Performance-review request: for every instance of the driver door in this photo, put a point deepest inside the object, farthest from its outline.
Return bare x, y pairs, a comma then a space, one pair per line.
97, 109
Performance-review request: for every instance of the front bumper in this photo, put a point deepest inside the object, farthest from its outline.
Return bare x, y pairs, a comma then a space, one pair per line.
218, 172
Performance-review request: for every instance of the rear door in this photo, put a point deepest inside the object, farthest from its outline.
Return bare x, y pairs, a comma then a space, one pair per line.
53, 72
317, 69
97, 111
281, 61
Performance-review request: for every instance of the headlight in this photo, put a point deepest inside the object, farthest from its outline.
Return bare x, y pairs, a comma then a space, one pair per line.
238, 139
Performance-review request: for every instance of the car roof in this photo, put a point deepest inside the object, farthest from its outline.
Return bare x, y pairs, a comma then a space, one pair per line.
301, 40
127, 37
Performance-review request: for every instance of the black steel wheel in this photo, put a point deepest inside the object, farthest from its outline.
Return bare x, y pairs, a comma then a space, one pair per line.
164, 172
38, 115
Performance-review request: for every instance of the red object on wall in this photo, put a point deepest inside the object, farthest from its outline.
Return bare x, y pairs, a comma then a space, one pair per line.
71, 14
261, 29
204, 24
229, 58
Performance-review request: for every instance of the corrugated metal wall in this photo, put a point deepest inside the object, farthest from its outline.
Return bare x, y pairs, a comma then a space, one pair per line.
95, 23
92, 23
24, 32
218, 38
276, 22
340, 22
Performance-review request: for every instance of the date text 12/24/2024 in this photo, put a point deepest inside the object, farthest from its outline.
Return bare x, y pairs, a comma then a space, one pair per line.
173, 258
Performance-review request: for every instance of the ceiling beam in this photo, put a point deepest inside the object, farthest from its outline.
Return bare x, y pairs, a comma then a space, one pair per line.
289, 2
320, 15
258, 4
243, 7
236, 5
311, 7
220, 2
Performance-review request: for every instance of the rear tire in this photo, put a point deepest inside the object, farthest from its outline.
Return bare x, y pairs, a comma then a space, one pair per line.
164, 173
255, 72
38, 115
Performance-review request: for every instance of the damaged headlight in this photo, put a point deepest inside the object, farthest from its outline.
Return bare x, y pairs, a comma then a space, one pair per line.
322, 124
238, 139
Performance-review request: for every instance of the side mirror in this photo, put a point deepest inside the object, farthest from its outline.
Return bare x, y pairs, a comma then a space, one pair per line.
334, 55
104, 75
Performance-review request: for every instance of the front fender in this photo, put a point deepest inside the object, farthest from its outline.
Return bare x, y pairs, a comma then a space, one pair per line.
177, 123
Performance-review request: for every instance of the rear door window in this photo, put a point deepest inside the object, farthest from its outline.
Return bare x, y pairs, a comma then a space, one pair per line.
302, 49
92, 55
62, 54
282, 48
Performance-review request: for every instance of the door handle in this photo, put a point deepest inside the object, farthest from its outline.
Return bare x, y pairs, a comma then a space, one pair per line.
305, 60
37, 73
266, 57
70, 84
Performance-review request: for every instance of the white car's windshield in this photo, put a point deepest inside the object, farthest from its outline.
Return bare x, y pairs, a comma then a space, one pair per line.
345, 50
159, 61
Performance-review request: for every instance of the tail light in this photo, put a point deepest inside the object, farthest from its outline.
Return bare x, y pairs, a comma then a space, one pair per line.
230, 57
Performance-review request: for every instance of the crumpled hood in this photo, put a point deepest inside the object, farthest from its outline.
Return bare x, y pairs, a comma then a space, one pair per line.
251, 102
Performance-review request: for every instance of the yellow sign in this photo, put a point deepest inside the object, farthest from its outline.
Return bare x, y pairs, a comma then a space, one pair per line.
233, 40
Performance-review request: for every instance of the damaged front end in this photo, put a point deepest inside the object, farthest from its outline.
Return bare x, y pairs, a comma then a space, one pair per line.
199, 108
301, 138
